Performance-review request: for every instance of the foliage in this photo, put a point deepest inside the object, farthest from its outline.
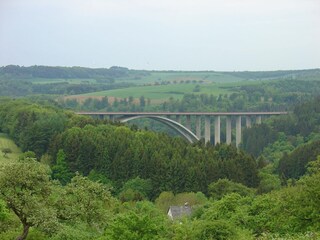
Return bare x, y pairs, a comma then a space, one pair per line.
217, 229
3, 211
257, 137
227, 218
61, 72
85, 201
164, 201
31, 126
6, 151
294, 165
171, 164
42, 204
142, 222
78, 231
293, 209
289, 236
6, 142
25, 187
283, 145
135, 190
101, 178
167, 199
224, 186
143, 165
268, 182
60, 170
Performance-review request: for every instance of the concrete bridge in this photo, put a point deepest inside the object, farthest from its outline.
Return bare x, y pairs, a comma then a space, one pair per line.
173, 120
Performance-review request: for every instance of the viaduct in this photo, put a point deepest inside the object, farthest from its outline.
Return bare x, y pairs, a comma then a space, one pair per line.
173, 120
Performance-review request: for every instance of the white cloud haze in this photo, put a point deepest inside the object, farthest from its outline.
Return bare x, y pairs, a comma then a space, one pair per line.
166, 34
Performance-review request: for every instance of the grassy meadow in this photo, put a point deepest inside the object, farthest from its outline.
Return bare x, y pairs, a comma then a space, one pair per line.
158, 86
152, 77
160, 93
178, 76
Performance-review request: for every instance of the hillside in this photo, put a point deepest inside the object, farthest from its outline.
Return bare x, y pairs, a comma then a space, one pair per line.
122, 73
23, 81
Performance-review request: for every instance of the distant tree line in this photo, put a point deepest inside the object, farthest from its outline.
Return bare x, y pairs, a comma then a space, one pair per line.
118, 72
14, 71
310, 74
16, 88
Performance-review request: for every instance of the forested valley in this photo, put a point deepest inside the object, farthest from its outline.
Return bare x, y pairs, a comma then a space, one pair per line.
67, 176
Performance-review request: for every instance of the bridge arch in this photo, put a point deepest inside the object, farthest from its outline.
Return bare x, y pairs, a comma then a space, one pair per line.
179, 128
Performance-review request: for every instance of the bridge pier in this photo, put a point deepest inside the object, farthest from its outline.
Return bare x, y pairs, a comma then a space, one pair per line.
217, 130
228, 130
188, 122
248, 121
238, 131
258, 119
198, 126
207, 129
178, 118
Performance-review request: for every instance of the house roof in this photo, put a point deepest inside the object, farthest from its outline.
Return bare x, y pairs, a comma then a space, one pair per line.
179, 211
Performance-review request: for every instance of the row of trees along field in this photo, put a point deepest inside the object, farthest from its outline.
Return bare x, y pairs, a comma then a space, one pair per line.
284, 95
266, 96
234, 196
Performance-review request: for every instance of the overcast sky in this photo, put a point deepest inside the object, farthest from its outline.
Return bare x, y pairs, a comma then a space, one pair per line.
162, 34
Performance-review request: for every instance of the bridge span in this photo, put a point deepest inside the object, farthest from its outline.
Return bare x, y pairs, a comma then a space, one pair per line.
174, 121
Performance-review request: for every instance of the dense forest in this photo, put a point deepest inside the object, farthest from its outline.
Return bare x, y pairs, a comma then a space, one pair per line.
67, 176
83, 178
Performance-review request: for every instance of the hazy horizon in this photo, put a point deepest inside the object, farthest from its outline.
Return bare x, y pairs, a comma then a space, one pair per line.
169, 70
189, 35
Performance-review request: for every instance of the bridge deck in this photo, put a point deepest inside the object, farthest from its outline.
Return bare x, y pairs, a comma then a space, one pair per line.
185, 113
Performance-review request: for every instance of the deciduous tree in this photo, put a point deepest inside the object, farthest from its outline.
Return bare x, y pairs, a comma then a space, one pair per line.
25, 187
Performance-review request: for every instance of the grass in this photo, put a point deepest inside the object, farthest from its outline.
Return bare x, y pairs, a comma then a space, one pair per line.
161, 91
171, 76
164, 92
152, 77
150, 85
6, 142
152, 92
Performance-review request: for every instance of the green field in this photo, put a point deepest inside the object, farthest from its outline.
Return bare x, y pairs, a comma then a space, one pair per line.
163, 92
5, 142
178, 76
159, 86
153, 77
160, 92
